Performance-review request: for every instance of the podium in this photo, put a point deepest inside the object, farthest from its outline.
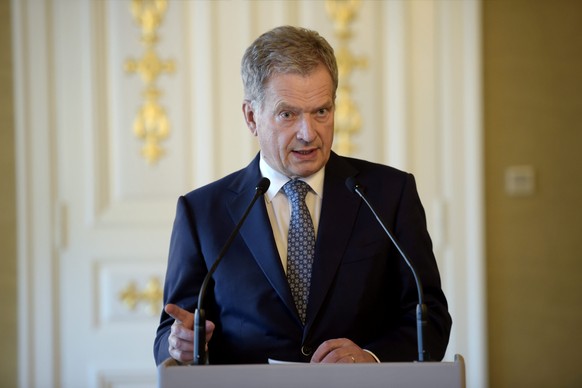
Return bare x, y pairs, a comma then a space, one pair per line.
386, 375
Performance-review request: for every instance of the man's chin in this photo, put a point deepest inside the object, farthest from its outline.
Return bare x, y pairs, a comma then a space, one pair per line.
304, 170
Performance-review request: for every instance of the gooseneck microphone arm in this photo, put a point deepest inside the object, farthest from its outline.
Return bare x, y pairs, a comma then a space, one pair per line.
200, 357
355, 187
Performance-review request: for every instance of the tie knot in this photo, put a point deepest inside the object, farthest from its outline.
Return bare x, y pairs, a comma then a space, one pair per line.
296, 190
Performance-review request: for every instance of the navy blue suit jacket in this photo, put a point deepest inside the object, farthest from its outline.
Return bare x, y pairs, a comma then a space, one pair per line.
361, 288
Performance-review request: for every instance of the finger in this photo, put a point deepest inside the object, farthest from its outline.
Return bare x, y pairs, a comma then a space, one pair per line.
178, 343
187, 334
179, 349
325, 349
347, 359
339, 350
181, 343
350, 353
182, 332
340, 355
179, 314
209, 330
181, 355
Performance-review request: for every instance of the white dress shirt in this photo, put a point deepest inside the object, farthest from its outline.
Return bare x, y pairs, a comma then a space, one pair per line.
279, 207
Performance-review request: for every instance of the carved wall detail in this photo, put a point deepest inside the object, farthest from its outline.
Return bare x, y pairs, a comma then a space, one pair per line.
127, 290
151, 125
151, 296
348, 120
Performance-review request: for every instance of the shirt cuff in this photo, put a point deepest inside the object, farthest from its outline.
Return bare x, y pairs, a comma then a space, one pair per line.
372, 354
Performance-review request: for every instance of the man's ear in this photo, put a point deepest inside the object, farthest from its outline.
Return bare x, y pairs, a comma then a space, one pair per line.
250, 116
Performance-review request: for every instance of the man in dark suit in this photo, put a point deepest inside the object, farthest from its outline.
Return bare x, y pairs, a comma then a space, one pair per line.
361, 295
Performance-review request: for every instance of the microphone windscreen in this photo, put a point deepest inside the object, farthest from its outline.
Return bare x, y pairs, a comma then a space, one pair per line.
263, 185
351, 184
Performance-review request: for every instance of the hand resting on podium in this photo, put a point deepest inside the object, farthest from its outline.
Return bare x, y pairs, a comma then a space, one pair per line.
181, 342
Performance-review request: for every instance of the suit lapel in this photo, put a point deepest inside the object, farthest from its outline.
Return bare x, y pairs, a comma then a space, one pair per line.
257, 232
338, 214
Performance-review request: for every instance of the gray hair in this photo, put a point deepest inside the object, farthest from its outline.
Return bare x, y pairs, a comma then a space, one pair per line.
284, 50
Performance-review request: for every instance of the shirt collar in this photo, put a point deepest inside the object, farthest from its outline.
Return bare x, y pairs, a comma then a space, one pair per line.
315, 181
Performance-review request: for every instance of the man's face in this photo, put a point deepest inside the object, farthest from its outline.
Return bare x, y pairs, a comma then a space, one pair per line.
295, 124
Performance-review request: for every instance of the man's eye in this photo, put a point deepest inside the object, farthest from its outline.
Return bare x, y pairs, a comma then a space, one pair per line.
286, 115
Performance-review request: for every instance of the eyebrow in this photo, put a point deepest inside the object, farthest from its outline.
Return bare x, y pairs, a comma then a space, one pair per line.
284, 106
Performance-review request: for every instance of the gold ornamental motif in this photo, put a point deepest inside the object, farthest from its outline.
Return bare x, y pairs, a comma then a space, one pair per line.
151, 124
348, 120
151, 296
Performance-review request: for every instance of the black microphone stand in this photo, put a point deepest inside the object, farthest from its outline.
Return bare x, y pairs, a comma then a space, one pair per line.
420, 307
200, 357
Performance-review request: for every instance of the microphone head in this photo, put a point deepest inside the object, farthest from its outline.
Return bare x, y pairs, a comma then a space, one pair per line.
352, 184
263, 185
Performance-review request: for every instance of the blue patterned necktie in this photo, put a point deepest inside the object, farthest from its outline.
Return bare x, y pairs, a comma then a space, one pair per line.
300, 244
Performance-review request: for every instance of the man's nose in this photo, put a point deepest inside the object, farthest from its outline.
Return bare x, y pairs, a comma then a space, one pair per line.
306, 131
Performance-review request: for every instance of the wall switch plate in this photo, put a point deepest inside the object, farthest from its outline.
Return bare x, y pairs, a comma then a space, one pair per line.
520, 181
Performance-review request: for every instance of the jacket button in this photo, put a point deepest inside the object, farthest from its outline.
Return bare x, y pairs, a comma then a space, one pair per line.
306, 350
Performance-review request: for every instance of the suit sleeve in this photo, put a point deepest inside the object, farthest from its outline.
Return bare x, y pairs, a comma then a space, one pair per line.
185, 273
410, 230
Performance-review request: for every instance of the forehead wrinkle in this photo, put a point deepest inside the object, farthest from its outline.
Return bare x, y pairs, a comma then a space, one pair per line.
317, 100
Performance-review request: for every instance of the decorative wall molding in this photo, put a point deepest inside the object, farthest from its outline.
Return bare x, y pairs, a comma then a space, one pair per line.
151, 123
127, 290
348, 120
150, 296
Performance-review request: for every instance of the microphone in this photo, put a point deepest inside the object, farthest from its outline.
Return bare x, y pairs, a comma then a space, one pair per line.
199, 314
355, 187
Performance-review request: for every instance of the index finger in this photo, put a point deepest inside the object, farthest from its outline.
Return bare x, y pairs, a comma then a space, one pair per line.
178, 313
